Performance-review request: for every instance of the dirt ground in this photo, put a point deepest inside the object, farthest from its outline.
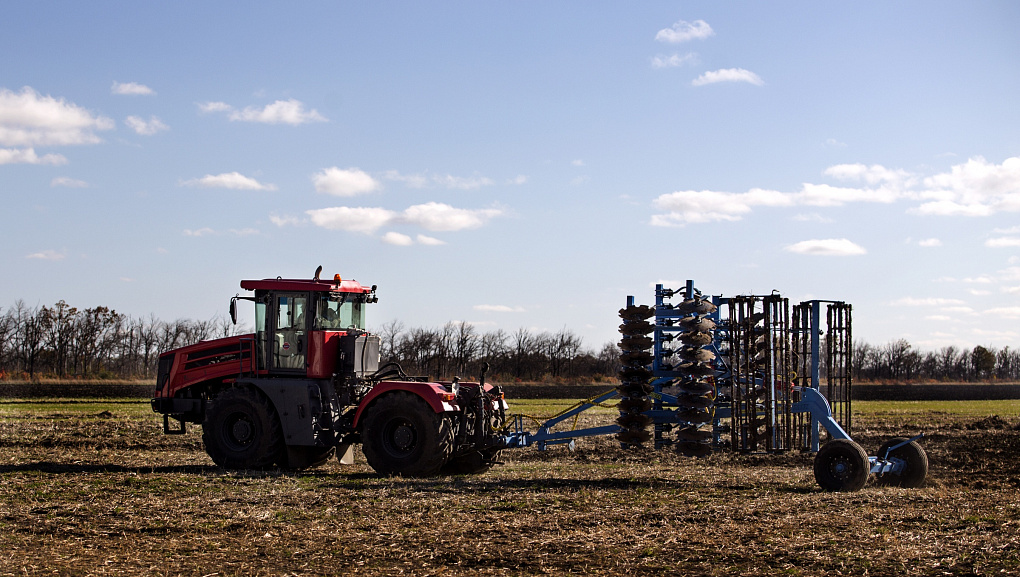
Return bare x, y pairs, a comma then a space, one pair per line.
97, 489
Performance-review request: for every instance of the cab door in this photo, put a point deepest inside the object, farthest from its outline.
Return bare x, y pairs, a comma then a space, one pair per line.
288, 342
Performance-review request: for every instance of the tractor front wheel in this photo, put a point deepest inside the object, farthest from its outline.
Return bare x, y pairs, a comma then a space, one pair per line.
241, 431
402, 435
913, 454
842, 465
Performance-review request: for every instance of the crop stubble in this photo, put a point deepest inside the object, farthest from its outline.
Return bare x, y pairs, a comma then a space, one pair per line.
98, 489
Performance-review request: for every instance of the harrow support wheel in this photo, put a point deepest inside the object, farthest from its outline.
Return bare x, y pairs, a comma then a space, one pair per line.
402, 435
842, 465
241, 431
916, 471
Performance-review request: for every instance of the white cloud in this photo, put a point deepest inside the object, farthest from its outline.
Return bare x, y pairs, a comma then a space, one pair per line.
691, 206
812, 217
199, 232
874, 174
231, 180
429, 241
462, 182
285, 220
280, 112
361, 219
975, 188
131, 88
1005, 312
395, 238
983, 279
432, 216
958, 310
47, 255
675, 60
979, 293
28, 156
728, 75
344, 182
827, 247
834, 143
68, 182
30, 119
438, 217
145, 128
448, 181
498, 309
1003, 241
244, 231
518, 180
214, 107
682, 31
951, 208
929, 242
925, 302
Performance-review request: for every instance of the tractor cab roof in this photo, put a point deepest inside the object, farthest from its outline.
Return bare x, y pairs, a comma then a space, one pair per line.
287, 284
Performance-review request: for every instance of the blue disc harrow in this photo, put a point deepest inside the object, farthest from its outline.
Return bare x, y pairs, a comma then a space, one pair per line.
751, 374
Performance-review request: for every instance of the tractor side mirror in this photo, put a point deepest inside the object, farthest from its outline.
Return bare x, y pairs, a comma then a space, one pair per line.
233, 310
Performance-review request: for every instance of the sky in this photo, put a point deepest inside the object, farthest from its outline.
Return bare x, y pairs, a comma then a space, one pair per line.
519, 164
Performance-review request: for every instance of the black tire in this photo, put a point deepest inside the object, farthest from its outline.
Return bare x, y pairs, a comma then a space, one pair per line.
402, 435
842, 465
241, 430
916, 471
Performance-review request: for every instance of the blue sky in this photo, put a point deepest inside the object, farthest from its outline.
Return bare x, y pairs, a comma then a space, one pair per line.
519, 164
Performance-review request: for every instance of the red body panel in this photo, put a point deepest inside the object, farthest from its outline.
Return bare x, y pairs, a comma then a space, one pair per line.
208, 360
432, 393
322, 353
299, 285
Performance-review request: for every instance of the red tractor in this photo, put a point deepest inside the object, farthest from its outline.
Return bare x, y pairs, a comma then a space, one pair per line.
307, 385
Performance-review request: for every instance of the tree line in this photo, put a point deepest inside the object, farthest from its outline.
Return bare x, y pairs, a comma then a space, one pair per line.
99, 342
63, 341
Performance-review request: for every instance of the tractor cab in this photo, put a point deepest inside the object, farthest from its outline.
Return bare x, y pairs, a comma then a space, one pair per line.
306, 328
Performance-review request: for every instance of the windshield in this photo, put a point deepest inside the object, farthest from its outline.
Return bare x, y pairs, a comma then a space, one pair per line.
334, 313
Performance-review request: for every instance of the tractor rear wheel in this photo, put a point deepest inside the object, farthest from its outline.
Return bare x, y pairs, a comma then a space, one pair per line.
402, 435
917, 464
241, 431
842, 465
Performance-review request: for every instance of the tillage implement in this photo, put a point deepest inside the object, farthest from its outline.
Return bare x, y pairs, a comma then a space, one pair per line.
752, 374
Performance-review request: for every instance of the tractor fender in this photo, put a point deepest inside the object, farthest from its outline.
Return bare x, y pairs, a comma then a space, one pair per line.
437, 397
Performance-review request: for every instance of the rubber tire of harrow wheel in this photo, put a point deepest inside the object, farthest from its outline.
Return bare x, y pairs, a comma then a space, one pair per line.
402, 435
917, 464
842, 465
241, 430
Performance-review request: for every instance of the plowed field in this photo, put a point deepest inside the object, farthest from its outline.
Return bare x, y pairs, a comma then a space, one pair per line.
95, 488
